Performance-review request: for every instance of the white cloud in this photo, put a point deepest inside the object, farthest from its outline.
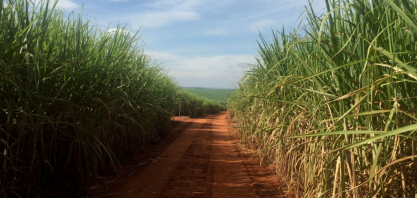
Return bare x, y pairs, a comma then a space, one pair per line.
166, 12
112, 31
215, 32
67, 5
216, 71
175, 4
62, 4
163, 18
259, 25
163, 56
118, 0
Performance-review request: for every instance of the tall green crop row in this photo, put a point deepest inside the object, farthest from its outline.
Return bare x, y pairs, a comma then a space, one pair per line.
189, 104
334, 104
74, 101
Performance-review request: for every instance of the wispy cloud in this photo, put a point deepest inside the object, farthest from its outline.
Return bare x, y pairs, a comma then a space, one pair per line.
215, 32
175, 4
259, 25
201, 42
163, 18
166, 12
62, 4
216, 71
123, 31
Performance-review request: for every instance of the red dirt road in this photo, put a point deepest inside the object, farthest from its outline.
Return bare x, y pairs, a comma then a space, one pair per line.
201, 161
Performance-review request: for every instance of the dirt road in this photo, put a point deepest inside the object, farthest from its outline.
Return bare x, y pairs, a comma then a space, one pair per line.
198, 159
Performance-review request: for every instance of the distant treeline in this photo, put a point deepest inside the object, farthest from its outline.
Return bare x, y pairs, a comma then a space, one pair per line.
218, 95
190, 104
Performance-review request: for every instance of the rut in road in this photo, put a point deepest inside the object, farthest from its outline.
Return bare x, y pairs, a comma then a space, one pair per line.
201, 162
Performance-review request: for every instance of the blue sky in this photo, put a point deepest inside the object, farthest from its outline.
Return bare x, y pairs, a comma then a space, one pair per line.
202, 43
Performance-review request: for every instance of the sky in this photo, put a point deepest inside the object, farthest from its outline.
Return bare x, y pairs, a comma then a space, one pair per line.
201, 43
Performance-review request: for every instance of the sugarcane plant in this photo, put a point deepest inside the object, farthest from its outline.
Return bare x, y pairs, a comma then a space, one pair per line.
333, 103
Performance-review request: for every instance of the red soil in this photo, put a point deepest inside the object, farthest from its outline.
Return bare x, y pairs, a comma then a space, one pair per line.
199, 158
